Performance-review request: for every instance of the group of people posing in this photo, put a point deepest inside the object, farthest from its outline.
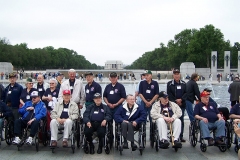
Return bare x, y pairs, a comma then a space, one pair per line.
61, 103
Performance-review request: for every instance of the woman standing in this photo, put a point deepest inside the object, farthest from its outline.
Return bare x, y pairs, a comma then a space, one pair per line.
26, 92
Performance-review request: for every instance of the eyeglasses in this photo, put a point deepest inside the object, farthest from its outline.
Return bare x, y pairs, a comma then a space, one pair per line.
30, 83
34, 97
51, 83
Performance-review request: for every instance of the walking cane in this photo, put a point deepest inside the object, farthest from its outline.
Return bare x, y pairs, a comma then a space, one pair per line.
171, 131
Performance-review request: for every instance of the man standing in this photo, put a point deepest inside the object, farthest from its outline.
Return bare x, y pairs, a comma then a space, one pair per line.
148, 92
193, 93
59, 77
91, 88
12, 94
114, 93
76, 88
137, 97
234, 91
176, 90
41, 86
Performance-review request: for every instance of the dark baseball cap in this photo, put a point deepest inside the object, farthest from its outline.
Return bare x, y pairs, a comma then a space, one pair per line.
113, 74
12, 75
97, 95
163, 94
88, 73
176, 71
207, 89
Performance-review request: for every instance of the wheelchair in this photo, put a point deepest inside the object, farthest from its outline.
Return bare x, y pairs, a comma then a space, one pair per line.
194, 131
41, 135
108, 138
141, 137
155, 138
73, 137
8, 125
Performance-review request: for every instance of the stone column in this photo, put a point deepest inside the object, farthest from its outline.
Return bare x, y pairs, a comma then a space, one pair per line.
214, 65
238, 62
226, 63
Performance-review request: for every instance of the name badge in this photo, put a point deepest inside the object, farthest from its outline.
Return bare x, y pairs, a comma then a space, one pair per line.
65, 110
40, 89
148, 91
87, 91
127, 113
165, 109
204, 108
95, 112
27, 97
9, 92
178, 87
49, 95
71, 87
111, 92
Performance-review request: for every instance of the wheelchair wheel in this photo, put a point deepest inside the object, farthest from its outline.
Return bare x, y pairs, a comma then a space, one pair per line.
120, 149
236, 149
77, 134
228, 134
152, 135
222, 148
192, 135
107, 150
86, 150
45, 137
141, 151
9, 133
157, 145
203, 147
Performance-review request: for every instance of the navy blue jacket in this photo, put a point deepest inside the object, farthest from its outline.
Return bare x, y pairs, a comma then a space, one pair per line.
89, 112
15, 95
5, 110
138, 114
40, 110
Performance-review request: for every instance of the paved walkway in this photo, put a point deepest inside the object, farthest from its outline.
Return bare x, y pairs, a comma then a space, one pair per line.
186, 153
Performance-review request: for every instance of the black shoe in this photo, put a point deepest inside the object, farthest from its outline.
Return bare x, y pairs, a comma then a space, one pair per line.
164, 144
134, 146
91, 148
177, 144
99, 151
210, 142
183, 140
219, 142
125, 145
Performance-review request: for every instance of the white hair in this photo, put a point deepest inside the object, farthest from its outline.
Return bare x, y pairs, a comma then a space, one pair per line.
54, 80
71, 70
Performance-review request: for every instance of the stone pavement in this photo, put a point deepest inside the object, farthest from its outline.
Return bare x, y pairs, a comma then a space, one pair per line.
187, 152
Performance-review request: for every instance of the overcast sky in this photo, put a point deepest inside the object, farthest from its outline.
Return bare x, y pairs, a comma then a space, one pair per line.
104, 30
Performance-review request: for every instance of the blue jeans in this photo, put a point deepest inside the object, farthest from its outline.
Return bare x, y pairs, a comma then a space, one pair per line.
189, 108
220, 125
182, 121
1, 127
148, 110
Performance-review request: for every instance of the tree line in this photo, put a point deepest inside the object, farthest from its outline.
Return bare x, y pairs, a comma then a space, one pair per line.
190, 45
23, 57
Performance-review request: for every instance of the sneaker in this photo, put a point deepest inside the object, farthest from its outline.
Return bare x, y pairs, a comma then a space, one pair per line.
17, 140
29, 140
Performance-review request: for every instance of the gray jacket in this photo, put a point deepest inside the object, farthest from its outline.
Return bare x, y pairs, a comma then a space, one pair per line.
234, 90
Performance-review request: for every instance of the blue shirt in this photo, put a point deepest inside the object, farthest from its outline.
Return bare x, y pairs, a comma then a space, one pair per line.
91, 90
169, 109
25, 96
40, 89
65, 111
210, 112
14, 96
148, 90
179, 92
235, 109
114, 93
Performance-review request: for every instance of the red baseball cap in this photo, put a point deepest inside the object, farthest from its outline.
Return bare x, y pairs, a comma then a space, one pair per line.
204, 94
66, 91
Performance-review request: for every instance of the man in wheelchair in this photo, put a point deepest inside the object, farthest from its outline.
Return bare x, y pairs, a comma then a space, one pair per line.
95, 118
62, 115
210, 118
235, 115
32, 112
130, 115
165, 113
5, 112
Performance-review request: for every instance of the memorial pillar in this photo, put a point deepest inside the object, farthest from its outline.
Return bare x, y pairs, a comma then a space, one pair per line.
214, 65
226, 63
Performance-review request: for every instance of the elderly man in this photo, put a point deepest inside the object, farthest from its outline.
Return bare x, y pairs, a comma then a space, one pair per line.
26, 92
76, 88
148, 92
91, 88
41, 86
165, 112
59, 77
12, 95
95, 117
114, 93
234, 91
130, 115
137, 97
210, 118
176, 90
63, 114
192, 93
32, 112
